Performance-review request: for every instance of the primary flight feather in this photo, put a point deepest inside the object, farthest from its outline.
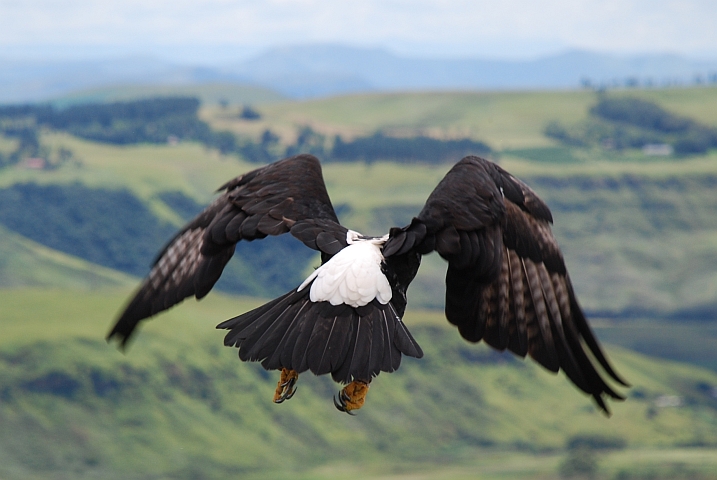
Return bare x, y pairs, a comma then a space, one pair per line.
506, 282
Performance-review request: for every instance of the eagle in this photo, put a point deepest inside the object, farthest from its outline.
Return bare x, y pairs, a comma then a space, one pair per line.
506, 282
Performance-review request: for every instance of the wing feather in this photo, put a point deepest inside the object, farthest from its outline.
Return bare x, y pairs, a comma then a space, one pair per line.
506, 281
271, 200
519, 339
233, 229
548, 357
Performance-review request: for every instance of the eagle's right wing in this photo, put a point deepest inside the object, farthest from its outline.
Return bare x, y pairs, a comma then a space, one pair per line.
286, 196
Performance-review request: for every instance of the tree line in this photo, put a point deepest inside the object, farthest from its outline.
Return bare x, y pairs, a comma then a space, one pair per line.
142, 121
372, 148
415, 149
627, 122
159, 120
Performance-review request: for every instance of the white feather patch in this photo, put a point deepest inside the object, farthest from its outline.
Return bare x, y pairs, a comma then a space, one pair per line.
353, 276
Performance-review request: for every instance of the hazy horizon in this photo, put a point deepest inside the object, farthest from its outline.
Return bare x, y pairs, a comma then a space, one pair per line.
221, 55
212, 32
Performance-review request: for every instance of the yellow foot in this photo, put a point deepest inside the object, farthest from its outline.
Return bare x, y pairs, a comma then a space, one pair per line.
286, 389
351, 397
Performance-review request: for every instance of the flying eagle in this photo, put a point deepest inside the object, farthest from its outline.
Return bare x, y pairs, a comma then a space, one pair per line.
506, 282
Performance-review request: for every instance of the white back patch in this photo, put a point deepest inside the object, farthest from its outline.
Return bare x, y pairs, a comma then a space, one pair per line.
353, 276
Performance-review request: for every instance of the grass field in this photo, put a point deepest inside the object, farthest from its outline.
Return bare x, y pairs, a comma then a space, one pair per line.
27, 264
180, 402
505, 120
637, 231
684, 341
643, 464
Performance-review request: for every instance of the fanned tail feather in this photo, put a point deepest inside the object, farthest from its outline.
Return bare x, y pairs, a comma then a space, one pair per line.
295, 333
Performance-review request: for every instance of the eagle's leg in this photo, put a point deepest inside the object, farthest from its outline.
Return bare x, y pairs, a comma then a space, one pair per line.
286, 388
352, 396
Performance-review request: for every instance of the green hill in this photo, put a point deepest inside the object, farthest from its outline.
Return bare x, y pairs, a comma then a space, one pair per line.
638, 234
181, 405
640, 238
24, 263
505, 120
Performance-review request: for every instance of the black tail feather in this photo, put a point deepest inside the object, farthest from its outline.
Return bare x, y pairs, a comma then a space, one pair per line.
403, 339
350, 343
274, 362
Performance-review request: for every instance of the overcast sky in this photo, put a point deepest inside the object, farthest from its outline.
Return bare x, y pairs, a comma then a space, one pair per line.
212, 31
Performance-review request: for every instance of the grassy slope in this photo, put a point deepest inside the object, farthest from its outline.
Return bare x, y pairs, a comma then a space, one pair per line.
146, 170
7, 145
24, 263
670, 267
181, 403
646, 242
506, 120
691, 342
667, 264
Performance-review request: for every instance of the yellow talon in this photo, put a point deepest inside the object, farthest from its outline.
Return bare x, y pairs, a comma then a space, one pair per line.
286, 389
352, 396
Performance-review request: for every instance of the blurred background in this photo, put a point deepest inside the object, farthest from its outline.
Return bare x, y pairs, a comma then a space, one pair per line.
118, 121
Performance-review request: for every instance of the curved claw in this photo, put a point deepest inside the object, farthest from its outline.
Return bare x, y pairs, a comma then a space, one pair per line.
288, 391
351, 397
286, 388
341, 405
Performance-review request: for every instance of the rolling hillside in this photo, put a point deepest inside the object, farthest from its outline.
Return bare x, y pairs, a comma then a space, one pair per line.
640, 238
29, 264
505, 120
179, 404
638, 231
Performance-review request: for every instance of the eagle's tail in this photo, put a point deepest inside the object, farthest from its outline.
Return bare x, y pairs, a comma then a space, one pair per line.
295, 333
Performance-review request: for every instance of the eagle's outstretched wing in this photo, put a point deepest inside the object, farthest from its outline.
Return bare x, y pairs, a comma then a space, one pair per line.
506, 282
286, 196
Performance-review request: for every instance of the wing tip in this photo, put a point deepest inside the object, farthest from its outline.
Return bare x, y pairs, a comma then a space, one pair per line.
119, 338
601, 402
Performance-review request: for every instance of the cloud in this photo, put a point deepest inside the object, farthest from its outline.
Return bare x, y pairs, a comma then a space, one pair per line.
436, 27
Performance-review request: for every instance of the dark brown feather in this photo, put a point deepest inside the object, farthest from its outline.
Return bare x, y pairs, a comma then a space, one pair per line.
506, 282
267, 201
233, 230
272, 226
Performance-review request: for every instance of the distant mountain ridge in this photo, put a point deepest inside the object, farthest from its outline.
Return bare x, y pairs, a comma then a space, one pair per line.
34, 80
310, 71
349, 70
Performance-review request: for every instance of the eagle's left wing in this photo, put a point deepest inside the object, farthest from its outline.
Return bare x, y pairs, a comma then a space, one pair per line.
506, 282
